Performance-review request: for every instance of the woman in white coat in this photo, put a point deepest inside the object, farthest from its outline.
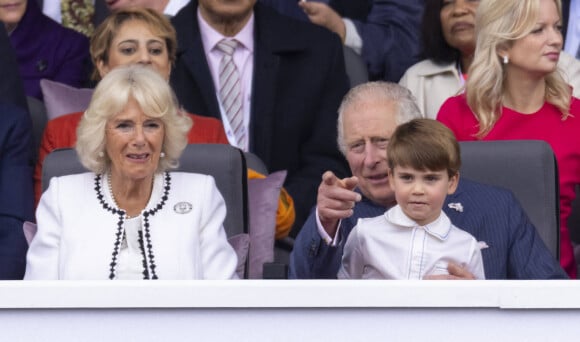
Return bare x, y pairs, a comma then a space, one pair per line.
130, 218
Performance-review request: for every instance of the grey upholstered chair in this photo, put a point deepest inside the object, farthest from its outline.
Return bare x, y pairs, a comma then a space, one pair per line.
228, 166
526, 167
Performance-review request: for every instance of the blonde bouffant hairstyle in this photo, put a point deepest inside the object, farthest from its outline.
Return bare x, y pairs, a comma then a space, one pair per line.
499, 23
155, 98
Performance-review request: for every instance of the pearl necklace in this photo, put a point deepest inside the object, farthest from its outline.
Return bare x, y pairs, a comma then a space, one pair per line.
110, 186
147, 249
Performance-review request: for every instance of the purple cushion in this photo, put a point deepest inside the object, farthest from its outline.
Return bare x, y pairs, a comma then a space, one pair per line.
263, 203
241, 244
29, 230
61, 99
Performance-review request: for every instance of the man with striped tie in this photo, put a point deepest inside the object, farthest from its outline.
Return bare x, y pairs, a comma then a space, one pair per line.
275, 83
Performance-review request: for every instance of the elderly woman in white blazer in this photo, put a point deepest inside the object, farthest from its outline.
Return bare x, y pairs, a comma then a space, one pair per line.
129, 218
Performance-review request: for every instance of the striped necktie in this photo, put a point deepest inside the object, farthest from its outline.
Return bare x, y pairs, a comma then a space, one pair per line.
78, 15
230, 90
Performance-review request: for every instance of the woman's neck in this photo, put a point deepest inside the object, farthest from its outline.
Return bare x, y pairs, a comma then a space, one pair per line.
129, 194
524, 93
10, 28
465, 60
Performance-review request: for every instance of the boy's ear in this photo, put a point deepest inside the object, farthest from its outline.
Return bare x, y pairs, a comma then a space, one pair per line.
453, 182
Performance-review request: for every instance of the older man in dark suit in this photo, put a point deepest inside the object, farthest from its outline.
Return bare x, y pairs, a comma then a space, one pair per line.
368, 117
290, 78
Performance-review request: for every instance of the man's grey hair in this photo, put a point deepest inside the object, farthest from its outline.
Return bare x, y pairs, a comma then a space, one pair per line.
379, 91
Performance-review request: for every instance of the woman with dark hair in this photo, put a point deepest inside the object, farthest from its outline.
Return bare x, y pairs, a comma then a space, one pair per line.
448, 37
43, 48
448, 33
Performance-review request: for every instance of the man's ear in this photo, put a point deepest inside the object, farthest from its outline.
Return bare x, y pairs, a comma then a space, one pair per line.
453, 183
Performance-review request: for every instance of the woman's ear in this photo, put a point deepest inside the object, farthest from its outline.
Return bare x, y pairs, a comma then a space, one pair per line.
503, 52
102, 68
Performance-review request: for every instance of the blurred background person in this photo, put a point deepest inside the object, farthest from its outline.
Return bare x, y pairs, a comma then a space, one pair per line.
44, 49
515, 91
11, 88
119, 221
384, 32
84, 17
167, 7
448, 36
274, 82
16, 206
127, 36
16, 196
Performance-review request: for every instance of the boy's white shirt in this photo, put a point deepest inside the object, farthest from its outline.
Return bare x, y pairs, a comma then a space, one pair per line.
393, 246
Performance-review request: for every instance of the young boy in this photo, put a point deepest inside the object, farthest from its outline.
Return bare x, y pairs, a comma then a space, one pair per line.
415, 238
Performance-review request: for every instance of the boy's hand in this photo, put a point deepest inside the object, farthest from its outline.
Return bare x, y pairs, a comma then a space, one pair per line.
456, 272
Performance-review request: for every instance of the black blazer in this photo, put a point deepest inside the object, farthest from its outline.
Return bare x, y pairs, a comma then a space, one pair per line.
299, 80
16, 195
11, 87
565, 17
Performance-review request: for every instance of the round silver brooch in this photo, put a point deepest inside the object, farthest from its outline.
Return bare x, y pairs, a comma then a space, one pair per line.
182, 207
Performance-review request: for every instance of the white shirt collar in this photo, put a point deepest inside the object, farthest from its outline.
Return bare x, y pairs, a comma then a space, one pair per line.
210, 37
173, 6
439, 228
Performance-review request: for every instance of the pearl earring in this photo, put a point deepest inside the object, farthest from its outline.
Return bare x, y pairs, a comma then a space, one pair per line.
162, 155
101, 154
505, 59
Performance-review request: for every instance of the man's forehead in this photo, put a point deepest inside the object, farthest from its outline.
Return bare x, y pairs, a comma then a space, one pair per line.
383, 110
369, 125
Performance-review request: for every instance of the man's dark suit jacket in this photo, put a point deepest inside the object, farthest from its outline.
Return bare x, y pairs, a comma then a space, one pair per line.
389, 30
298, 83
16, 196
565, 17
492, 215
11, 87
